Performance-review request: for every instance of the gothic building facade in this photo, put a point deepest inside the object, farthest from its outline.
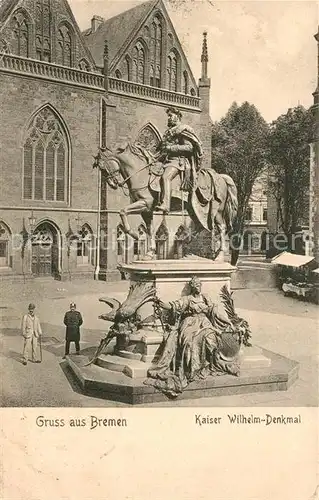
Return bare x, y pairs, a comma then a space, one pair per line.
63, 94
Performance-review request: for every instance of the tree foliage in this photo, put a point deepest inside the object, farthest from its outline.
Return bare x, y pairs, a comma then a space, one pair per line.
289, 167
239, 149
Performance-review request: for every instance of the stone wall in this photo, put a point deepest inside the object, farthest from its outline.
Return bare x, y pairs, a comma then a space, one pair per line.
20, 98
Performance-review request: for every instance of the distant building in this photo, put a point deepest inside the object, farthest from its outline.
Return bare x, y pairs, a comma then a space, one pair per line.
314, 171
256, 224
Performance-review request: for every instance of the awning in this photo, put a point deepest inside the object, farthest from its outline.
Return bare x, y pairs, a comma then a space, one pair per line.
316, 270
291, 259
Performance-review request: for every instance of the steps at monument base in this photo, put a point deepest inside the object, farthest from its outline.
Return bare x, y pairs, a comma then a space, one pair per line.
130, 355
131, 367
253, 358
111, 385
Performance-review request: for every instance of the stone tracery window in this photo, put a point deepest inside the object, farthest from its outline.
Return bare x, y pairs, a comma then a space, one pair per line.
21, 34
148, 138
46, 159
64, 46
138, 63
43, 30
156, 52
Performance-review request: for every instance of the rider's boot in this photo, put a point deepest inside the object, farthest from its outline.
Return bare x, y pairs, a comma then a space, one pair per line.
165, 205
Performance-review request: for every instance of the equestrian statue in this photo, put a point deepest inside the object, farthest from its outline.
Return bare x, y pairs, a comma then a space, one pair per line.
154, 180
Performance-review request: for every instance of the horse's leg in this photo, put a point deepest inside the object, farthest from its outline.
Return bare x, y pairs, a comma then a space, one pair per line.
219, 244
151, 246
134, 208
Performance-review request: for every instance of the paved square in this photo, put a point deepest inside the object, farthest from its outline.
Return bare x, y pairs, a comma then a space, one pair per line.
281, 324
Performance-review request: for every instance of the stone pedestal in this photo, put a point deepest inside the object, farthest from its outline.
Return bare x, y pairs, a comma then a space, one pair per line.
171, 276
120, 373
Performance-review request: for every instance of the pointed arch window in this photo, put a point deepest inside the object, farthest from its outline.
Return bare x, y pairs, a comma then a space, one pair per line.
161, 239
185, 82
140, 245
43, 30
85, 254
21, 34
5, 245
149, 138
172, 71
64, 47
138, 69
181, 239
46, 159
156, 51
128, 67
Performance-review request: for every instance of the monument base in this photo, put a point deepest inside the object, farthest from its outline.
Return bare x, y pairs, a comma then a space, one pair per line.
255, 376
120, 373
170, 276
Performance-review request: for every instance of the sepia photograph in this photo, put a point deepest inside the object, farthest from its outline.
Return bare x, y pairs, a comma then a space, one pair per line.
159, 227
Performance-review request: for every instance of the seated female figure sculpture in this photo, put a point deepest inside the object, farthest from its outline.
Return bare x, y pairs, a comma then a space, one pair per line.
201, 341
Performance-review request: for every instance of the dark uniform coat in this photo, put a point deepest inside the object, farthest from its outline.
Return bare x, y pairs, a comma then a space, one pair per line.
73, 321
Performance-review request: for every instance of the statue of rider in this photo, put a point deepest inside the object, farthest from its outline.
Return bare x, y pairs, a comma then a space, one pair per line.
180, 153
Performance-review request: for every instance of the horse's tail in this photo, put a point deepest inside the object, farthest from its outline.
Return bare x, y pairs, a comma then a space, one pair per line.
231, 205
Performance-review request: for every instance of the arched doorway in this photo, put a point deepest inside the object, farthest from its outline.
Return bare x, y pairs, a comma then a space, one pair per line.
45, 250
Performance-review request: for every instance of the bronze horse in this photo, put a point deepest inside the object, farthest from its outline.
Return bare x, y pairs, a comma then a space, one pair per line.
211, 202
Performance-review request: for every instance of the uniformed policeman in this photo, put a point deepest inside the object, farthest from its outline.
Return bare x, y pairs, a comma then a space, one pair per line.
72, 320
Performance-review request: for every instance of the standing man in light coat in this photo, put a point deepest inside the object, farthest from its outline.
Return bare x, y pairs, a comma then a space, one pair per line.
31, 330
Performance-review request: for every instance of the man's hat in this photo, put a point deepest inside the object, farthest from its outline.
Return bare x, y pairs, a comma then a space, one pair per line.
73, 304
31, 307
176, 111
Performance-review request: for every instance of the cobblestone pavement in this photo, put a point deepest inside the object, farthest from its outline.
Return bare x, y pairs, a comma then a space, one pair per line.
281, 324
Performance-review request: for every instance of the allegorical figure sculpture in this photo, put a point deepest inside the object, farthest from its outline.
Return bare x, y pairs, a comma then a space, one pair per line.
179, 151
201, 341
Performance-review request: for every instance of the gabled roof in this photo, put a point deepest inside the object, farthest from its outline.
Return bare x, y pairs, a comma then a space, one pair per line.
116, 30
8, 6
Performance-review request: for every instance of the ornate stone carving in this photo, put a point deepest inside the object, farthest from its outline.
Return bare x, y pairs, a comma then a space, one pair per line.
200, 340
125, 317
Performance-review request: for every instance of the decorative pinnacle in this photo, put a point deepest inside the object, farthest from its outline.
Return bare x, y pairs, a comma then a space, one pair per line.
204, 48
204, 57
106, 50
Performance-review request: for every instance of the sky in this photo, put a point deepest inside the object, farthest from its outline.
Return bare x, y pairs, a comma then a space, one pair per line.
263, 52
